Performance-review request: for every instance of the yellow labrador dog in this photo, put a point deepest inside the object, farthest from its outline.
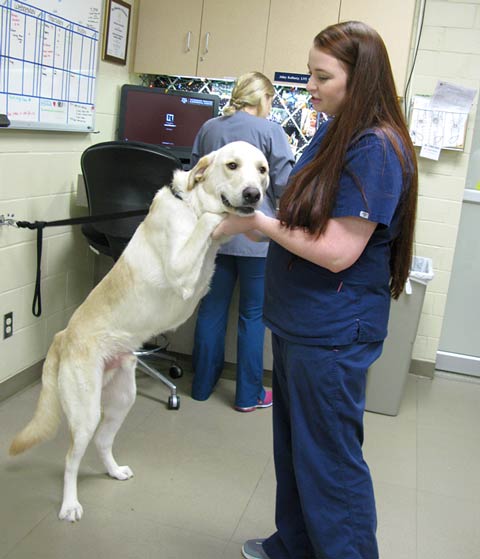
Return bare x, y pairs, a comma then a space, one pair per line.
89, 371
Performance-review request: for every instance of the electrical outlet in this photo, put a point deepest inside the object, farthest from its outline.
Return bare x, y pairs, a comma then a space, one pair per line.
7, 325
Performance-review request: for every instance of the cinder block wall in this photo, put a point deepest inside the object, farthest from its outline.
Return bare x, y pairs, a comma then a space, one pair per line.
450, 51
38, 181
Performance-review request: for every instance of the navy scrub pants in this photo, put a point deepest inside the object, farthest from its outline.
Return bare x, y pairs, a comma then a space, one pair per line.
209, 343
325, 506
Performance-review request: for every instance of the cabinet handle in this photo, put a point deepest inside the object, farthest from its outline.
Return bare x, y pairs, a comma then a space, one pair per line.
207, 40
189, 36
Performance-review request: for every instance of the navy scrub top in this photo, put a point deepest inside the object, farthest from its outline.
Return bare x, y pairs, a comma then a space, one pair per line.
306, 303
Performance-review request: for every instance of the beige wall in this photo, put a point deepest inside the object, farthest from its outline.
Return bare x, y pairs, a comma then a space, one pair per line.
449, 50
38, 179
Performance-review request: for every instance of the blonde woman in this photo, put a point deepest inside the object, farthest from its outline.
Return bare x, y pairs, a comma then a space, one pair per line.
244, 118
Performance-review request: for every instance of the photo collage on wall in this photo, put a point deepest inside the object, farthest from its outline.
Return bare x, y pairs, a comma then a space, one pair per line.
290, 107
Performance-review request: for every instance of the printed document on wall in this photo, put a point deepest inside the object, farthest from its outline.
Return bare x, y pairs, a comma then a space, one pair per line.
440, 121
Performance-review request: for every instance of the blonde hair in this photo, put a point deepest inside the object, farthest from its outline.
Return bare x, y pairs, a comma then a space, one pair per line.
252, 89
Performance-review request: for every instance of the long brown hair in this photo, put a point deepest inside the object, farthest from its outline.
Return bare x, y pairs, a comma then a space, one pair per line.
370, 103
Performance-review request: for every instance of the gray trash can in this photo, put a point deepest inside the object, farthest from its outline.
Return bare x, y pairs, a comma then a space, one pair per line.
388, 375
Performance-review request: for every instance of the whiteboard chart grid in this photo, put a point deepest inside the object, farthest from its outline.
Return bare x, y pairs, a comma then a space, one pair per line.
48, 63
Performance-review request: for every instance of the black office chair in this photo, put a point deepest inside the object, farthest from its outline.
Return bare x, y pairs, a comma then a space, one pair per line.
122, 176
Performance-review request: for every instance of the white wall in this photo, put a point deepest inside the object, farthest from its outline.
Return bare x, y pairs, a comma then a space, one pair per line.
38, 179
449, 50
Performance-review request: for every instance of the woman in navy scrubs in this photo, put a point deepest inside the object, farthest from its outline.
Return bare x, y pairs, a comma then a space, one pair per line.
340, 248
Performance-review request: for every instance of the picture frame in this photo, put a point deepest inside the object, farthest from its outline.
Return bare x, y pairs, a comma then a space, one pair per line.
117, 28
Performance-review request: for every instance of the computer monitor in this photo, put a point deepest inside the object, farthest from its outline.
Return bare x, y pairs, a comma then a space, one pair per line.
170, 119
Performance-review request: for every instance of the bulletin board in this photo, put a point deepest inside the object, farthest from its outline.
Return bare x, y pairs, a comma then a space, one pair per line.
48, 63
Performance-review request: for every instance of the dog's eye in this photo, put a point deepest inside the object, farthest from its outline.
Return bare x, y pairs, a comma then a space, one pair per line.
232, 165
262, 170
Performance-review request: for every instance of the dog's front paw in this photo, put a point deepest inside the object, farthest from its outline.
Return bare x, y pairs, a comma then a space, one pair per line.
224, 239
186, 292
183, 292
121, 472
213, 220
71, 511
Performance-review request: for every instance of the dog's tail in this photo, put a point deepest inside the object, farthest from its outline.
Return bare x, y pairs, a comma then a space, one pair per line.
44, 424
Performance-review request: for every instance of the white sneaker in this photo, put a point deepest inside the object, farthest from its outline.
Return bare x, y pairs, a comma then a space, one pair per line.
253, 549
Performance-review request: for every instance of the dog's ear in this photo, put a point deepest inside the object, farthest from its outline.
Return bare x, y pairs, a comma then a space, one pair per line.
197, 174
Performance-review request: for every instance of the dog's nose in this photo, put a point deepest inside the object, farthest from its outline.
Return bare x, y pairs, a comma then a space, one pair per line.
251, 195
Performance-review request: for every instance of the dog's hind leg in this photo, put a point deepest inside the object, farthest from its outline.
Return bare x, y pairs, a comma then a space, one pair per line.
80, 393
117, 399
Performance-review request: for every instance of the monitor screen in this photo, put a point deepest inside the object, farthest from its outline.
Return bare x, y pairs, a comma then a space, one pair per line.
168, 119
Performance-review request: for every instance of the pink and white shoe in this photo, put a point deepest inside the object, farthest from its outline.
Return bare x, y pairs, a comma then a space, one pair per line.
265, 403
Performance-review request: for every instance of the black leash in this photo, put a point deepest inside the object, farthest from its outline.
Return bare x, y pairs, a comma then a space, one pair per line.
40, 226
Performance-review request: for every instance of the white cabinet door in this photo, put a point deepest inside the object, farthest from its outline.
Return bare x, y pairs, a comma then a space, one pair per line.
232, 38
168, 37
291, 28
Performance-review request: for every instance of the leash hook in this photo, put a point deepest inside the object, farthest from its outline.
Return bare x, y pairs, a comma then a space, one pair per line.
8, 220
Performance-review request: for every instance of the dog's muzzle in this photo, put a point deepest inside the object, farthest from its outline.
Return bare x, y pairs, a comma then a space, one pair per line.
250, 198
251, 195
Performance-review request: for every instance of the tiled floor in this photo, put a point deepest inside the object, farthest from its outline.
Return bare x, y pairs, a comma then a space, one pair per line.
204, 479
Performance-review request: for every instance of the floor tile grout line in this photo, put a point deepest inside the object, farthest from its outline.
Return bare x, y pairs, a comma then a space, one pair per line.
249, 500
145, 518
32, 528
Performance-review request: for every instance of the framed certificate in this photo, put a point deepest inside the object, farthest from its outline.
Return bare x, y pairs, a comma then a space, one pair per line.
117, 25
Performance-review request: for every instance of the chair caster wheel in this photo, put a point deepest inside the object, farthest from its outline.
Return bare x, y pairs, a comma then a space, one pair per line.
174, 402
175, 371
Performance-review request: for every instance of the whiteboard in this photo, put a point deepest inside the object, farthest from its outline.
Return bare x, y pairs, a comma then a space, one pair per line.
48, 63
